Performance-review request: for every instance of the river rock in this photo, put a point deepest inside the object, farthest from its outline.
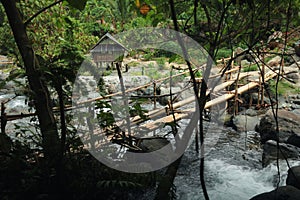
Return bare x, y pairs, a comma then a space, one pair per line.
112, 83
295, 65
282, 193
294, 140
245, 63
3, 76
293, 178
163, 100
275, 62
270, 152
153, 144
251, 112
289, 125
244, 56
292, 73
245, 123
296, 111
129, 81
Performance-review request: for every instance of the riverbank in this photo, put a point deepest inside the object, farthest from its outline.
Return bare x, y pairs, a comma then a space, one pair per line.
236, 165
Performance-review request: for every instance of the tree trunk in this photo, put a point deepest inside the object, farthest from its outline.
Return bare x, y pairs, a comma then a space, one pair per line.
42, 99
167, 180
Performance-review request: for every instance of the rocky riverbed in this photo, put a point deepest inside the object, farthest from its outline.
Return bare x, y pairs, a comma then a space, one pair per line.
241, 164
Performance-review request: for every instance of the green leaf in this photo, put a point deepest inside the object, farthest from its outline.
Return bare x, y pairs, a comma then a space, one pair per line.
78, 4
173, 58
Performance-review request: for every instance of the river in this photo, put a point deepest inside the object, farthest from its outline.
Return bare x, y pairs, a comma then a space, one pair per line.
231, 170
232, 165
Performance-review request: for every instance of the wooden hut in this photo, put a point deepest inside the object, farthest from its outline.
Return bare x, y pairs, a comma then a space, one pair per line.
108, 51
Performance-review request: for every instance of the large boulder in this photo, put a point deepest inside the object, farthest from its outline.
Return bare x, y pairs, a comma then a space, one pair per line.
289, 127
165, 91
292, 73
293, 178
275, 62
294, 140
245, 122
270, 152
294, 65
243, 56
282, 193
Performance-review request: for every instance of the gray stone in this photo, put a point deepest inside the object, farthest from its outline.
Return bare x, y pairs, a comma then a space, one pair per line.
3, 76
166, 91
129, 81
274, 62
243, 56
293, 77
282, 193
295, 106
293, 178
153, 144
245, 63
296, 57
291, 69
270, 152
245, 123
289, 124
292, 97
294, 140
251, 112
285, 105
296, 111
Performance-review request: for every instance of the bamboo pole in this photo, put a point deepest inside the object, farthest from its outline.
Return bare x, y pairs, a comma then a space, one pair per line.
191, 99
185, 113
236, 94
217, 88
1, 62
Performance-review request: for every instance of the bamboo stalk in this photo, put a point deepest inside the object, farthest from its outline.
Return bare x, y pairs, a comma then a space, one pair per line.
236, 94
185, 113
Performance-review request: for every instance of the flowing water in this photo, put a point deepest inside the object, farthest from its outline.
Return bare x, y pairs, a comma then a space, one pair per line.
232, 164
231, 170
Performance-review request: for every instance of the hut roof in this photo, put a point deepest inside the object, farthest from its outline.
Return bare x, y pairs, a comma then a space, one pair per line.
102, 46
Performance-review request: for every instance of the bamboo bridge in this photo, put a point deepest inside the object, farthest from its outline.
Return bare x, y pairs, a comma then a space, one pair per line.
175, 112
158, 118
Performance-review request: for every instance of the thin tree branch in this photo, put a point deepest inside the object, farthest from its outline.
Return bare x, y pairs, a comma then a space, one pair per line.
40, 11
208, 19
195, 13
200, 99
219, 33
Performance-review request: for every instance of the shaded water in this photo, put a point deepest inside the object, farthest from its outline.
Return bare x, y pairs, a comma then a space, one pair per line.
231, 171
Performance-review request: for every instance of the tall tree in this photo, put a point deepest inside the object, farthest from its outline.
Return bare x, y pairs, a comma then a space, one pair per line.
42, 99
